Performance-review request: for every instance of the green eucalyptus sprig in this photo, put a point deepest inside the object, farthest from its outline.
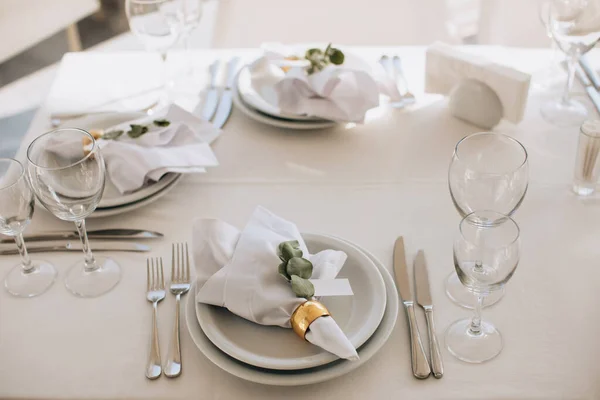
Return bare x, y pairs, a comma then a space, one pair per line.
295, 269
319, 59
135, 131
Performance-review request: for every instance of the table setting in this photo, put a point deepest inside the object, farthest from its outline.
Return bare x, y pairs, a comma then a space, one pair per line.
304, 220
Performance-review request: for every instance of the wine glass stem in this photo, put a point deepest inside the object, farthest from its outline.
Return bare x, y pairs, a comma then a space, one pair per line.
90, 262
475, 328
26, 261
571, 63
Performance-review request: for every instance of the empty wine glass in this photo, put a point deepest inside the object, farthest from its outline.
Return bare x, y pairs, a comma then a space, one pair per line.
30, 277
190, 15
485, 257
67, 174
157, 24
488, 171
575, 27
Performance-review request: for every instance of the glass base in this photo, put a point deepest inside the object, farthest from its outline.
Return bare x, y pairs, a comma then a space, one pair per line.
564, 115
464, 298
31, 283
470, 347
93, 283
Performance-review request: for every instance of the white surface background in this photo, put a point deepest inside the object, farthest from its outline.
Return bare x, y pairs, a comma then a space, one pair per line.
367, 184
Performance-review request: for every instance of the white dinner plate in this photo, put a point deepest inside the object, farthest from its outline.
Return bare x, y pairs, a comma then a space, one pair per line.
274, 347
111, 196
107, 212
304, 376
265, 99
276, 122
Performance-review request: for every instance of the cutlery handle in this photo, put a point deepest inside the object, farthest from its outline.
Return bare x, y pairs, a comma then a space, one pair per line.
214, 73
232, 67
399, 73
173, 365
153, 369
419, 363
386, 63
437, 366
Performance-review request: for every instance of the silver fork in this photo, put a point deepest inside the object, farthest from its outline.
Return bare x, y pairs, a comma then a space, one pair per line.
156, 292
407, 96
393, 69
180, 285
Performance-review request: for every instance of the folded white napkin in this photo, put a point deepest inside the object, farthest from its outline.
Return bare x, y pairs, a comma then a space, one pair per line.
182, 147
238, 270
99, 82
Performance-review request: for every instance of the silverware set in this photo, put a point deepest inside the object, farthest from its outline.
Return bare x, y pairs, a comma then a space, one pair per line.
421, 366
212, 105
179, 286
393, 68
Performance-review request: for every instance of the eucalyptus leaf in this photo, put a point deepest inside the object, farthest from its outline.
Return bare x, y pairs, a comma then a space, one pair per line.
293, 243
300, 267
336, 56
112, 135
302, 287
288, 251
283, 271
162, 122
137, 131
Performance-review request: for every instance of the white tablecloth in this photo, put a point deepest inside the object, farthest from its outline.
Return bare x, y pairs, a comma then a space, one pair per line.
368, 184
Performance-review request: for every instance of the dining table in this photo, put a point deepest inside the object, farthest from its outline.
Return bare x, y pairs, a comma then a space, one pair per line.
368, 183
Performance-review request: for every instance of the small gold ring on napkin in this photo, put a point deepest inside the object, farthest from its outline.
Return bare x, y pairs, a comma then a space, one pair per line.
305, 314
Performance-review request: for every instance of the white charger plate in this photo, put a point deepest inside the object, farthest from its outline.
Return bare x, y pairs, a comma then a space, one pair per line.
273, 347
111, 196
304, 376
276, 122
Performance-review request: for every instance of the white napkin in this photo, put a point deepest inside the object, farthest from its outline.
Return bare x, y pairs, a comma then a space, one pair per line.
181, 147
94, 82
238, 270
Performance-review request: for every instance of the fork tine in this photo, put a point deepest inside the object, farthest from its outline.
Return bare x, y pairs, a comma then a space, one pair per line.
181, 264
148, 277
178, 262
173, 277
187, 264
153, 275
162, 276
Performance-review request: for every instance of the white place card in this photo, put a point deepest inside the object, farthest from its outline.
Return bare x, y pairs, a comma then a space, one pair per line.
332, 287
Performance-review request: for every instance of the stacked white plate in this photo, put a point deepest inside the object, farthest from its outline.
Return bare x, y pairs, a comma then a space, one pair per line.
276, 356
113, 202
261, 106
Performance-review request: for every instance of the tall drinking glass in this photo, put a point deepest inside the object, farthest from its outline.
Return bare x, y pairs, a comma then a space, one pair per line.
485, 257
67, 174
157, 24
575, 27
191, 14
488, 171
30, 277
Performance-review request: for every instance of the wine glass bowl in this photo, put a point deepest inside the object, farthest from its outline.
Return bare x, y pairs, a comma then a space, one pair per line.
67, 174
156, 23
485, 257
30, 277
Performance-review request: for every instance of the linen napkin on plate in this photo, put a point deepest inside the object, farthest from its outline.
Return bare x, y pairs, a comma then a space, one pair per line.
182, 147
238, 270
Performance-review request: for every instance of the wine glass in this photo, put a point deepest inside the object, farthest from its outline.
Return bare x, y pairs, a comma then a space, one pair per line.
488, 171
190, 15
157, 24
575, 27
30, 277
67, 173
485, 257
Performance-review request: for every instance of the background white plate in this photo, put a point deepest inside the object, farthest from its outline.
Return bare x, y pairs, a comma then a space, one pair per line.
279, 123
273, 347
111, 196
305, 376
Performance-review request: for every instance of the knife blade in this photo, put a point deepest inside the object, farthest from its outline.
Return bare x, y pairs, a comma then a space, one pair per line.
117, 233
589, 88
6, 249
226, 102
419, 363
423, 292
590, 71
212, 96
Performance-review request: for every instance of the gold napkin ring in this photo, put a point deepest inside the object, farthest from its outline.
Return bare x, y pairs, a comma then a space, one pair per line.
305, 314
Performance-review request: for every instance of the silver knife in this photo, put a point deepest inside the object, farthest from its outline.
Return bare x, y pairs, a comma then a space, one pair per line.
6, 249
590, 71
117, 233
226, 102
419, 363
589, 88
212, 96
423, 293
